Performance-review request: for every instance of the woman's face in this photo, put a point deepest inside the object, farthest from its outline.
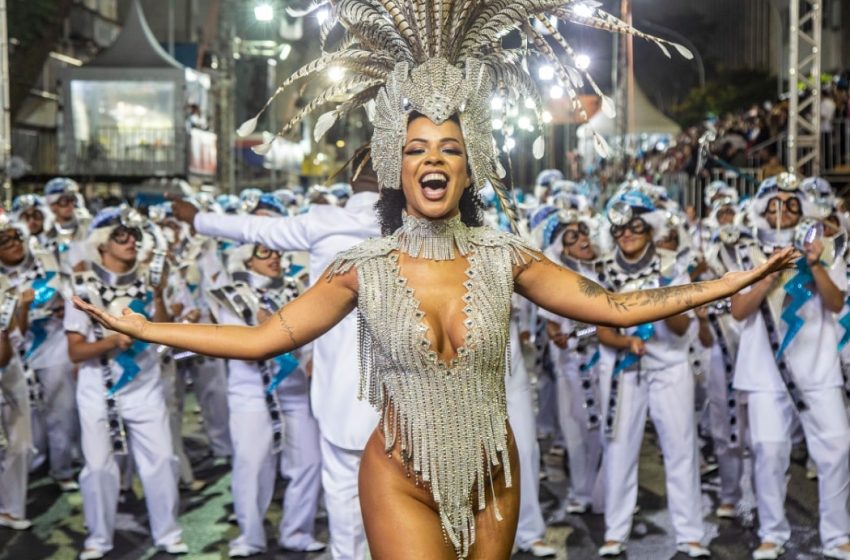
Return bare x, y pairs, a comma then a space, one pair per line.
633, 238
12, 250
576, 241
434, 168
265, 262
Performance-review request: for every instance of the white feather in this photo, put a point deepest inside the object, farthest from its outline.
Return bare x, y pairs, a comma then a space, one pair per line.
500, 170
684, 51
264, 148
539, 147
247, 128
600, 145
608, 107
323, 124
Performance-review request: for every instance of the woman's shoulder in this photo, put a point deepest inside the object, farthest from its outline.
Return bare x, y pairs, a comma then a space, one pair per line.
362, 252
521, 250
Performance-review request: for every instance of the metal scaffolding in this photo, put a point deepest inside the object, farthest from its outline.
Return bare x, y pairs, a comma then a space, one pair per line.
5, 108
804, 87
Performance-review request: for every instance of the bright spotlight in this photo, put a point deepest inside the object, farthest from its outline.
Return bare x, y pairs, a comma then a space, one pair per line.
556, 92
322, 15
582, 62
335, 73
547, 117
497, 103
583, 10
264, 12
524, 123
498, 124
546, 72
510, 144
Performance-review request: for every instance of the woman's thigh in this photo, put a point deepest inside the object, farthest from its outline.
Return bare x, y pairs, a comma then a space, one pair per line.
399, 520
402, 520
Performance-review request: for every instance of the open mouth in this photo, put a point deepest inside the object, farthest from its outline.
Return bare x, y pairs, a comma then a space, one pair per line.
434, 185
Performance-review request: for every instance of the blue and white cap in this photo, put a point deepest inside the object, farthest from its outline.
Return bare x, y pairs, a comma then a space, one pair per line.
342, 191
59, 186
547, 177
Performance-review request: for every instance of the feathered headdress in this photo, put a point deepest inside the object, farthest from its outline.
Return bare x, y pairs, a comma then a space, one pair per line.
442, 58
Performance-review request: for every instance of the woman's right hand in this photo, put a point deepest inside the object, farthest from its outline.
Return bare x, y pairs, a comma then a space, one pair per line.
130, 324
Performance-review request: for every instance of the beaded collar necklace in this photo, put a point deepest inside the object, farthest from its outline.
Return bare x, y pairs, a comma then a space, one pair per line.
433, 239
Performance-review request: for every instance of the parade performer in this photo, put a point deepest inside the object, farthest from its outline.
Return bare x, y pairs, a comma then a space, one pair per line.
37, 273
433, 294
651, 371
567, 239
119, 391
270, 421
789, 367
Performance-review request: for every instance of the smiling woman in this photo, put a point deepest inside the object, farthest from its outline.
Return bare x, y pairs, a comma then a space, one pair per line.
438, 478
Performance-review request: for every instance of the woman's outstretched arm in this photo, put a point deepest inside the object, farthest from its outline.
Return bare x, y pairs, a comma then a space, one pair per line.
299, 322
568, 294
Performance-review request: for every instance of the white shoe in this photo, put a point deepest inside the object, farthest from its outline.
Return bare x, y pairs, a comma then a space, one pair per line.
611, 550
176, 548
315, 546
69, 485
243, 551
540, 550
575, 508
768, 553
91, 554
725, 512
693, 550
10, 522
836, 552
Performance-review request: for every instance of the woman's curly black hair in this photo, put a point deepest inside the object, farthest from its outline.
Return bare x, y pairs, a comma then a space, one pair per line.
392, 202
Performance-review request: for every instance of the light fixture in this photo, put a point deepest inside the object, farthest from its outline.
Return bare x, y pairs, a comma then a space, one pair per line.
546, 72
556, 92
335, 73
582, 62
498, 124
583, 10
546, 116
272, 62
524, 122
263, 12
340, 143
322, 15
285, 51
529, 103
497, 103
510, 144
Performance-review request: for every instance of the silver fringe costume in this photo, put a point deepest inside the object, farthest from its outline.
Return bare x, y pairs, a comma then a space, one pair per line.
422, 398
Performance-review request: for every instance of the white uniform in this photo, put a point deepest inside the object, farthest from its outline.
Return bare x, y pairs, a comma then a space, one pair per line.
345, 423
531, 527
812, 359
254, 462
45, 349
662, 382
16, 418
141, 405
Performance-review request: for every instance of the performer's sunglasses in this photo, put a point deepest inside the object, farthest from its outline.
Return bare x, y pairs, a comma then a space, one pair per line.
571, 236
9, 239
32, 215
637, 226
263, 253
64, 201
792, 206
122, 234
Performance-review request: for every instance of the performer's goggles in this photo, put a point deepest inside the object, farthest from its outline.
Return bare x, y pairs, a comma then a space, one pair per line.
264, 253
121, 234
66, 200
638, 226
790, 205
10, 237
33, 214
571, 236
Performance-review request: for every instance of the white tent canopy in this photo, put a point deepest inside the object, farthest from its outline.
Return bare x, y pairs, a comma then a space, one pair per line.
649, 123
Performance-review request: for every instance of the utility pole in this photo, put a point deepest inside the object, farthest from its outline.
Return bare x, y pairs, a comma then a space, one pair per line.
624, 83
6, 117
225, 94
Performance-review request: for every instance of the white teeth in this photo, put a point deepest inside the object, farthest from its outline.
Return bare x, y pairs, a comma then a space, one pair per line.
435, 177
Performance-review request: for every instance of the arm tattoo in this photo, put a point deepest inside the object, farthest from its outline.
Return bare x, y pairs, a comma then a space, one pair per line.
682, 295
285, 327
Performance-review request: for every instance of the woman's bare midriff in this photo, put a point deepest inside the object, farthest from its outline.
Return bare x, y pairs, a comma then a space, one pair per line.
402, 519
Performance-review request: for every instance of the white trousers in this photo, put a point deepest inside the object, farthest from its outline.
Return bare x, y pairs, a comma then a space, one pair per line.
254, 471
669, 395
55, 425
730, 458
210, 383
584, 446
16, 418
827, 433
531, 527
340, 468
173, 388
149, 437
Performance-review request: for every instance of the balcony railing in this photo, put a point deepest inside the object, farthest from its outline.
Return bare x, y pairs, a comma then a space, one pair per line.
37, 147
126, 152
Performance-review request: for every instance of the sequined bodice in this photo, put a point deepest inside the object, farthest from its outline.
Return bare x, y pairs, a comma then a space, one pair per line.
448, 420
